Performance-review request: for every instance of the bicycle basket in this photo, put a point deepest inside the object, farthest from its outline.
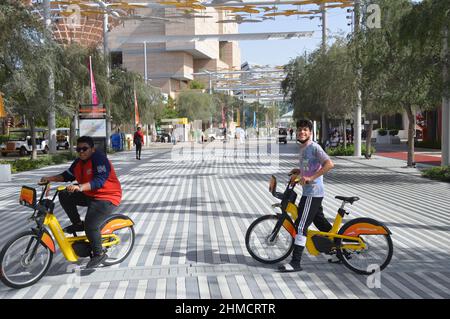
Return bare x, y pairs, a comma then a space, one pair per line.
27, 197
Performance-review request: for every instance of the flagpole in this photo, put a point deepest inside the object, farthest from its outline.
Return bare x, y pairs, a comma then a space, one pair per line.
90, 79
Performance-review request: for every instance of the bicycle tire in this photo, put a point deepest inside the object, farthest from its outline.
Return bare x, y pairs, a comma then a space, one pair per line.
110, 260
344, 255
255, 255
3, 274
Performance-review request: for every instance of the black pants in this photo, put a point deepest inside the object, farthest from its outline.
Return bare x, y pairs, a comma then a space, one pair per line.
310, 210
98, 211
138, 150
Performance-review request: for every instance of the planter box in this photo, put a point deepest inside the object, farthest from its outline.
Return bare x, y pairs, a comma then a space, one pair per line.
395, 140
5, 173
384, 139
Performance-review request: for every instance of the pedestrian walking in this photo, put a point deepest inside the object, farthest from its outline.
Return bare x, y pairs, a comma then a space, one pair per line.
138, 140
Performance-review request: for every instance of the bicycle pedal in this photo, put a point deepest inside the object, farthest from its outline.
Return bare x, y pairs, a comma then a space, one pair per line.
335, 261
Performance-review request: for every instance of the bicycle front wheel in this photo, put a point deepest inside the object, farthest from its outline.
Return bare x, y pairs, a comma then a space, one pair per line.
376, 255
259, 245
24, 260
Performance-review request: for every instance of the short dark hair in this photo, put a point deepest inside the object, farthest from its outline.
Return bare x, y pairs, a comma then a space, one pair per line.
86, 139
305, 123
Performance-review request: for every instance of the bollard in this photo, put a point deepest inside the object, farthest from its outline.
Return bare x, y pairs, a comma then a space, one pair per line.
5, 173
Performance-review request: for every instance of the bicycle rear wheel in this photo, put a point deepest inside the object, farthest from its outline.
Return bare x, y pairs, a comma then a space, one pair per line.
118, 253
377, 254
18, 269
257, 240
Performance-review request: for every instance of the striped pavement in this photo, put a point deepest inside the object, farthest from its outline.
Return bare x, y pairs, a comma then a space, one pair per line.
191, 217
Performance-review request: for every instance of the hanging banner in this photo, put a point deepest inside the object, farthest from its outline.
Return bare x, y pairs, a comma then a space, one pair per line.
136, 110
2, 106
254, 119
94, 98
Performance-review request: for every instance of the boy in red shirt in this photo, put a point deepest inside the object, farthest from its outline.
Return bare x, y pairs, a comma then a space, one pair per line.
98, 189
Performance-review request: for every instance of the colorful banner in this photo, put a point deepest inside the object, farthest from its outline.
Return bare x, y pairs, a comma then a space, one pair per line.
136, 110
94, 98
254, 119
2, 106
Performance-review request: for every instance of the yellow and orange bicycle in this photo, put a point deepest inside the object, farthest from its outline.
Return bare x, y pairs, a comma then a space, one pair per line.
362, 244
26, 258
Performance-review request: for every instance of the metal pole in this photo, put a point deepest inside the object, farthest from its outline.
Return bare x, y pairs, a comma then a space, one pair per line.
108, 71
445, 135
358, 109
210, 93
324, 133
51, 82
145, 63
324, 27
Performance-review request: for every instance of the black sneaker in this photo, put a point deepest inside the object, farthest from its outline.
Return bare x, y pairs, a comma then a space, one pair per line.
74, 228
290, 267
96, 261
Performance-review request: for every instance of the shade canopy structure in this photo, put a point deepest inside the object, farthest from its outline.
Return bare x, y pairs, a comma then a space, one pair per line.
220, 37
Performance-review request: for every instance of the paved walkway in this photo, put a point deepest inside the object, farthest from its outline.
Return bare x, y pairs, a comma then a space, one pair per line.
191, 218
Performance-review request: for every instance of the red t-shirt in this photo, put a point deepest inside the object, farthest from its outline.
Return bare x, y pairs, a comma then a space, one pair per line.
138, 136
99, 173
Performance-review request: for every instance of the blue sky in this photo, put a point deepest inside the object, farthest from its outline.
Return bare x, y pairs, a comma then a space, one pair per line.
279, 52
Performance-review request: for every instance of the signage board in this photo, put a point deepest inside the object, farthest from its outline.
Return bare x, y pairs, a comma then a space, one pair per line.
93, 127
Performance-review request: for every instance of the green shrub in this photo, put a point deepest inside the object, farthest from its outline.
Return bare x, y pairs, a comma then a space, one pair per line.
26, 164
382, 132
349, 151
393, 132
438, 173
3, 139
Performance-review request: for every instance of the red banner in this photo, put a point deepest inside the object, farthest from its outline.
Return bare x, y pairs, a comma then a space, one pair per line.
136, 110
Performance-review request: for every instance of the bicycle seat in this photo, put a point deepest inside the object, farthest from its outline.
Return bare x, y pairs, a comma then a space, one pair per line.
348, 199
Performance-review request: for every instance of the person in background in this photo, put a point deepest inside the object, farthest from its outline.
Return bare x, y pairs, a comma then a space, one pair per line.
138, 140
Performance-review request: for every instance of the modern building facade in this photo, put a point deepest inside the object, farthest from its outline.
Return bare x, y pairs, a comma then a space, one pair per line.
170, 65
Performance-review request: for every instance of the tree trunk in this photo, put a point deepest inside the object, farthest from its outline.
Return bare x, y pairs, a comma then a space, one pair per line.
345, 133
368, 153
411, 133
33, 139
324, 130
72, 136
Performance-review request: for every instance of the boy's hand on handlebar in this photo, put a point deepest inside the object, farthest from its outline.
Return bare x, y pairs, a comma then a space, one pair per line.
44, 180
294, 179
305, 180
73, 188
